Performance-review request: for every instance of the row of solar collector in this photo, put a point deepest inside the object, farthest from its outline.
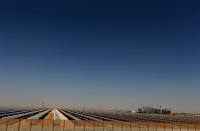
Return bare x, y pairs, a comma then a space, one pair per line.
41, 113
71, 114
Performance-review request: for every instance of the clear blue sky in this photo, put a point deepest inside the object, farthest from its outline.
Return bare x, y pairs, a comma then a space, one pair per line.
117, 54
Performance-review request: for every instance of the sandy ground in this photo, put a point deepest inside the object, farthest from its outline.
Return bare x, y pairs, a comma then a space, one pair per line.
50, 116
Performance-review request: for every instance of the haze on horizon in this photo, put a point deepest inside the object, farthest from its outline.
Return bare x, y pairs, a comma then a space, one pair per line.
113, 54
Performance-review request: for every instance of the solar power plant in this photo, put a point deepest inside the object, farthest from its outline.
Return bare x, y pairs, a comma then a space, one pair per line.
91, 115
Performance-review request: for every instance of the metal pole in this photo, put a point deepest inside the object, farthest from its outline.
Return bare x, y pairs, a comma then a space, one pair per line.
19, 124
112, 125
74, 125
64, 126
156, 126
84, 125
31, 124
122, 126
103, 125
164, 126
139, 126
94, 126
195, 126
53, 126
42, 124
7, 125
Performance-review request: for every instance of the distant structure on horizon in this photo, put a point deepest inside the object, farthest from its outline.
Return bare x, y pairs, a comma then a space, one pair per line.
152, 110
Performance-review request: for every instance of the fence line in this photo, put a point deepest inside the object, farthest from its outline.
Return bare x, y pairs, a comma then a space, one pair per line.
79, 125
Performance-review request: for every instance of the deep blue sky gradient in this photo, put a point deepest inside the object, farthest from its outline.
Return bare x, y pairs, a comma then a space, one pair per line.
117, 54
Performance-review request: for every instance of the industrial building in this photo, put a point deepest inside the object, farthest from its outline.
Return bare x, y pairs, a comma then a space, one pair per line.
152, 110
